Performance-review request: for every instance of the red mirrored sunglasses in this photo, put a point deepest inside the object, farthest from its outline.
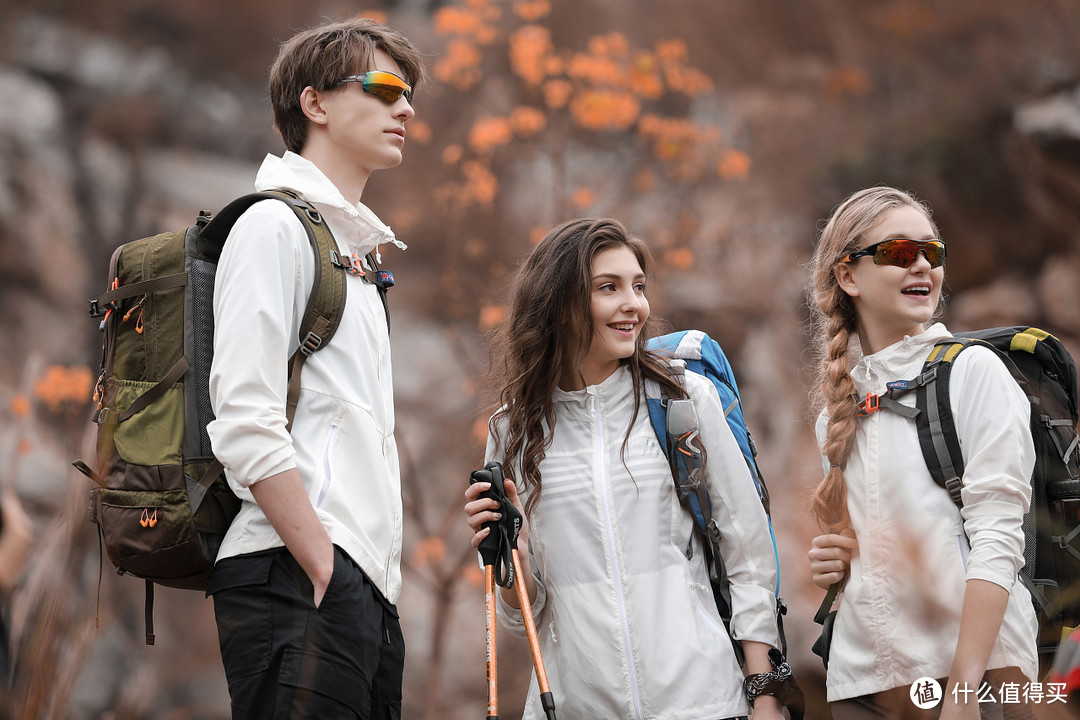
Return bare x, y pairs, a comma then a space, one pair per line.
901, 252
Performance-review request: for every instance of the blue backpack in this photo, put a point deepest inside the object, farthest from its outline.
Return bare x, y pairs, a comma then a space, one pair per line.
675, 423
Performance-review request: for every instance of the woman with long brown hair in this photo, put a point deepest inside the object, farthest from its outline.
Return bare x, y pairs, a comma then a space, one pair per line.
928, 592
621, 598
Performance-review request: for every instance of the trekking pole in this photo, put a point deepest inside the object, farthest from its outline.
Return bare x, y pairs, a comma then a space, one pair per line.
493, 551
496, 570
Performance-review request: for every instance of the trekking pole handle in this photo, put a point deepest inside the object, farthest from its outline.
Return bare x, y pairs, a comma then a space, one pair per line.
502, 533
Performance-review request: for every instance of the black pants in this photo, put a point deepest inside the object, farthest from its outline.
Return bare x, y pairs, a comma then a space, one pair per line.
285, 658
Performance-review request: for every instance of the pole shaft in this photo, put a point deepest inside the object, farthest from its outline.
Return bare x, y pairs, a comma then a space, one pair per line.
492, 659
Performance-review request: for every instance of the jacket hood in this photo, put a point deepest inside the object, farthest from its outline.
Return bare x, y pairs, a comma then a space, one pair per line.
901, 359
297, 173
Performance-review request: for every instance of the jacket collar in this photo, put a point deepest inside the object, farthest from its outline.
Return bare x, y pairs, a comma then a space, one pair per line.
298, 174
901, 360
615, 389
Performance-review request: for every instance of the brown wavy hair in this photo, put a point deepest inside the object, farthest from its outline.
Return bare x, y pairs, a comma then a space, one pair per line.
834, 325
546, 334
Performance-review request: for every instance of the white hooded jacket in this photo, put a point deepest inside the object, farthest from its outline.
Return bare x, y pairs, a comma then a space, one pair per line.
342, 439
899, 617
627, 624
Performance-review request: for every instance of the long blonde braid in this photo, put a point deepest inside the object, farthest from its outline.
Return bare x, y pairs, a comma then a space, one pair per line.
835, 325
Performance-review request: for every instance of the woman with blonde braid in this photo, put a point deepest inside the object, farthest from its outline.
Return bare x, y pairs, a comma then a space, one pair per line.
928, 592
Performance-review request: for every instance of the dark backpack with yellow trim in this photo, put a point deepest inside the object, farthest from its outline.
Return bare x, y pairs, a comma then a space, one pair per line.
1045, 371
159, 498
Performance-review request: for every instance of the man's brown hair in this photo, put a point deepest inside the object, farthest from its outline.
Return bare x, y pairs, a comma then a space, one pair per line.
323, 55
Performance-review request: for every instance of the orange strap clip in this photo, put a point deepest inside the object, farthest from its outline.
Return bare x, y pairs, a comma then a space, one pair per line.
148, 520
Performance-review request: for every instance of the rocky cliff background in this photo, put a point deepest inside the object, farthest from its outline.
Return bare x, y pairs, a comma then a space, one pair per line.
721, 131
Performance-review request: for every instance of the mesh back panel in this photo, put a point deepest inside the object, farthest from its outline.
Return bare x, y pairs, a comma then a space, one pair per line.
201, 281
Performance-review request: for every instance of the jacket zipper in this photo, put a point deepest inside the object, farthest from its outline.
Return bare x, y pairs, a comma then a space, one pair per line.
616, 572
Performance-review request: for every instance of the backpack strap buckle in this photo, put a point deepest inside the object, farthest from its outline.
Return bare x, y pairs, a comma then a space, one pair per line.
870, 404
310, 343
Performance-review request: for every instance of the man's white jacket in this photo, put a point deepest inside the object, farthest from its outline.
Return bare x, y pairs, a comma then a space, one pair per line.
342, 439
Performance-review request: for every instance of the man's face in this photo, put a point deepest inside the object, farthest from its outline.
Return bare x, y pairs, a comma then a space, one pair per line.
364, 127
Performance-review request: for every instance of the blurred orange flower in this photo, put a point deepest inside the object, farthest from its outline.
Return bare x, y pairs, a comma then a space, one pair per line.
481, 185
25, 446
419, 131
479, 431
62, 387
450, 20
680, 258
605, 110
613, 44
532, 10
582, 198
530, 47
473, 575
429, 551
488, 133
451, 154
596, 70
20, 406
557, 93
377, 15
644, 78
527, 121
460, 66
680, 142
490, 316
537, 234
671, 50
686, 80
734, 165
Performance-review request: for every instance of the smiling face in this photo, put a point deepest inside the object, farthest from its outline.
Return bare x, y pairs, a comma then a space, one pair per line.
891, 301
618, 308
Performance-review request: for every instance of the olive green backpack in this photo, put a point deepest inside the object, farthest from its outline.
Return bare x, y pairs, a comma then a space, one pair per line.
159, 497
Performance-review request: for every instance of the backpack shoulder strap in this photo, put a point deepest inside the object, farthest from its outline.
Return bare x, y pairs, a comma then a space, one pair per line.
326, 302
938, 437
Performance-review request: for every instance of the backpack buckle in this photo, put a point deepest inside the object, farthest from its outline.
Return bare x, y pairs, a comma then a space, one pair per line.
310, 344
870, 404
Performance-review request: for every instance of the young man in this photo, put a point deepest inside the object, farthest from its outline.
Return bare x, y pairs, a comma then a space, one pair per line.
307, 576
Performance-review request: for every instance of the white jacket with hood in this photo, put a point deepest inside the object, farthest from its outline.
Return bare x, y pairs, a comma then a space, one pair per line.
627, 624
899, 617
342, 439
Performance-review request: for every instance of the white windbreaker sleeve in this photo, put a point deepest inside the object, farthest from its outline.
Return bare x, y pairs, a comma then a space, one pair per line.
263, 267
992, 419
511, 617
746, 545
